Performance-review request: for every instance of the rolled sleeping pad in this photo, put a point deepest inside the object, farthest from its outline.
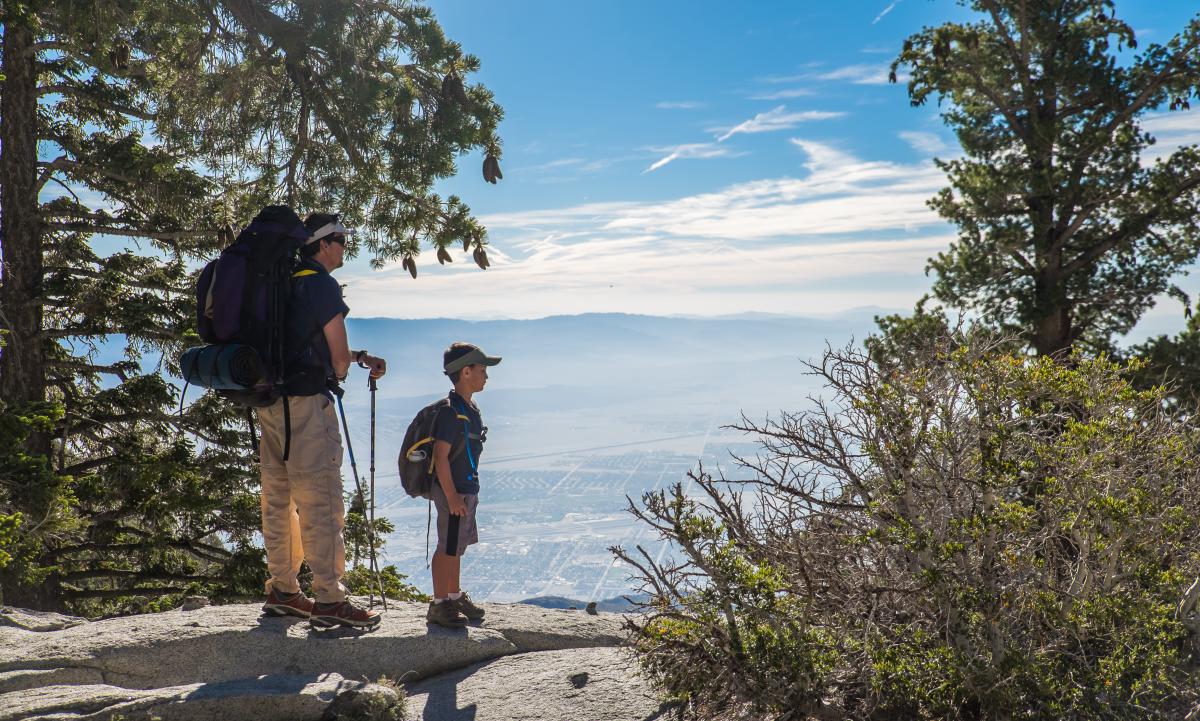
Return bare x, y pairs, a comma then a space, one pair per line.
226, 366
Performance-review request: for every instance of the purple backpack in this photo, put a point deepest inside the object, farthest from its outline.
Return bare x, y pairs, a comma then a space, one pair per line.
241, 297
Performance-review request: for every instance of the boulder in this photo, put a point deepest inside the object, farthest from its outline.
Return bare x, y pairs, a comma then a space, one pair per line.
596, 684
268, 697
232, 662
36, 620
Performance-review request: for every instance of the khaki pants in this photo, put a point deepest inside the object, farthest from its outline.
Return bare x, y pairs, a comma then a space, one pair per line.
302, 509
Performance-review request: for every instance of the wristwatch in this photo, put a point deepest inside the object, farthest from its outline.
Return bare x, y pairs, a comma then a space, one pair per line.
358, 358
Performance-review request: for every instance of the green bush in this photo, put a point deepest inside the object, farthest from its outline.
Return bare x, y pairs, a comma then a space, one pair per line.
956, 532
361, 582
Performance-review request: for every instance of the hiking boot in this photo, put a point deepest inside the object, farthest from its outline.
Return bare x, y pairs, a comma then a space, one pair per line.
467, 607
445, 613
282, 604
343, 613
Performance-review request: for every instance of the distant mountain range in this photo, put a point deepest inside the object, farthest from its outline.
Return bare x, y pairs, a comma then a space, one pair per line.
612, 605
605, 350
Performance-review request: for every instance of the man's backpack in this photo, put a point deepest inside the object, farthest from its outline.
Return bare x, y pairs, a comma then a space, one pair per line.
417, 473
241, 305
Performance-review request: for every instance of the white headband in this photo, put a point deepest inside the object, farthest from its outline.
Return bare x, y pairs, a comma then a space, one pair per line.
330, 229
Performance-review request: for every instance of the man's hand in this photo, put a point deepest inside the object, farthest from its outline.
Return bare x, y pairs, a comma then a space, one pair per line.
377, 365
457, 506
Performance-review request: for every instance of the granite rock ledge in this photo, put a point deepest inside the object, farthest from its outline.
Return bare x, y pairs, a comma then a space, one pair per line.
229, 662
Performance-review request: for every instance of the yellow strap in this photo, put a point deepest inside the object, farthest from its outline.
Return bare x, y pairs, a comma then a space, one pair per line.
464, 418
302, 273
419, 443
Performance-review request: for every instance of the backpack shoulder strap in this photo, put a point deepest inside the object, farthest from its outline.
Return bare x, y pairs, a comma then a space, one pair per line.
460, 445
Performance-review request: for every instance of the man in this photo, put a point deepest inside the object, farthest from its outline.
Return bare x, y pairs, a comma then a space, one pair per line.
301, 450
456, 493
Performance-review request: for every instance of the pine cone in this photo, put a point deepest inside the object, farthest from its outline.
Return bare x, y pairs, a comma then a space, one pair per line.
119, 56
481, 258
452, 89
491, 169
466, 243
443, 256
411, 266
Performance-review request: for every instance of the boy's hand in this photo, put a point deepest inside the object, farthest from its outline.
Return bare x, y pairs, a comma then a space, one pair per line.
457, 506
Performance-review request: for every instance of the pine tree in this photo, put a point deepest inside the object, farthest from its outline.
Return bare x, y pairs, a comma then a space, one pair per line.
1065, 236
135, 135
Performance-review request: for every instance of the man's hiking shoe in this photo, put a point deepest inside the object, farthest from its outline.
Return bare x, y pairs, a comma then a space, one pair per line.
445, 613
296, 604
467, 607
328, 615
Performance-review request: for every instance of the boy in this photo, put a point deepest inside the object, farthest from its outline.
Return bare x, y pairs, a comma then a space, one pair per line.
456, 492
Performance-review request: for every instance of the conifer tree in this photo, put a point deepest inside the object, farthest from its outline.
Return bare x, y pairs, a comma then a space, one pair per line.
134, 136
1066, 234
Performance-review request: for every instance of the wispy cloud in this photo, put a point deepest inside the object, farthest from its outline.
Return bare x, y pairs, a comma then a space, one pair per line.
783, 94
840, 194
680, 105
688, 151
778, 118
924, 142
886, 10
846, 232
858, 74
1171, 131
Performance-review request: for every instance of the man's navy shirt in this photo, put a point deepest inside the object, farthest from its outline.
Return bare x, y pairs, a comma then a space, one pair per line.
449, 426
316, 300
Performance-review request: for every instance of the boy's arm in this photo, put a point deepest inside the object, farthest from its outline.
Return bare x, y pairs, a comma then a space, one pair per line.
441, 464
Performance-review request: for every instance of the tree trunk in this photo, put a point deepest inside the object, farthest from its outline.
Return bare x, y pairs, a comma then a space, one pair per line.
1052, 326
22, 361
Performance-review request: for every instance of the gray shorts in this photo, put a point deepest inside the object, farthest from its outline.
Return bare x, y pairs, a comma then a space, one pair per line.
455, 533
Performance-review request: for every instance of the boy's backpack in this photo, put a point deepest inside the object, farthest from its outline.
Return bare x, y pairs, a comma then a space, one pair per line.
241, 299
417, 474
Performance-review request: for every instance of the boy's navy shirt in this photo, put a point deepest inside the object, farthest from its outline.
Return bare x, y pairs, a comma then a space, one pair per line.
449, 426
316, 300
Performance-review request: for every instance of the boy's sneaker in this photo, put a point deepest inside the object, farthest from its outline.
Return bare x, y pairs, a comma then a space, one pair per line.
296, 604
467, 607
445, 613
344, 613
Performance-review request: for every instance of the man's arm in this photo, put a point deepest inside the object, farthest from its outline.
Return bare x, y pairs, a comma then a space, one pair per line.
441, 464
339, 347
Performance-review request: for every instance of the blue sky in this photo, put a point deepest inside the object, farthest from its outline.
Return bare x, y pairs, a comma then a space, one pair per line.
701, 158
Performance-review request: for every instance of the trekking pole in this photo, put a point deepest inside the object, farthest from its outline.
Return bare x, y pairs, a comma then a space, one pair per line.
378, 575
361, 500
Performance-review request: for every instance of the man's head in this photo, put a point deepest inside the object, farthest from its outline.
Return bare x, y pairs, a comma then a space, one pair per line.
328, 243
467, 365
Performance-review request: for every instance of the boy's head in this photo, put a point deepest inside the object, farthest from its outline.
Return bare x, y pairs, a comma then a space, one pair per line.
466, 365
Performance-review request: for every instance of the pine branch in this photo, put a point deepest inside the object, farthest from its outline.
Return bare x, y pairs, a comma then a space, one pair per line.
85, 466
169, 236
121, 593
114, 573
80, 93
1129, 229
125, 279
199, 550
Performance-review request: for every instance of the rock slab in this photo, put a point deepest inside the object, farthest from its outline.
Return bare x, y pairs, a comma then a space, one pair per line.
229, 662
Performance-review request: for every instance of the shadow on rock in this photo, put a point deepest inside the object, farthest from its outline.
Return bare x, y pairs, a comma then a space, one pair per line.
442, 702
